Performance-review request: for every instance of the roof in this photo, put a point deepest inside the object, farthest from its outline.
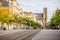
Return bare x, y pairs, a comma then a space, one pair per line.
39, 16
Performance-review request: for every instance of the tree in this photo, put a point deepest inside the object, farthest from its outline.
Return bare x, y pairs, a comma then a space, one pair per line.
6, 16
55, 21
32, 23
29, 22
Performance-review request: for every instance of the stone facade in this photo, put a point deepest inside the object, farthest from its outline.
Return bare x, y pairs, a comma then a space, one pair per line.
44, 18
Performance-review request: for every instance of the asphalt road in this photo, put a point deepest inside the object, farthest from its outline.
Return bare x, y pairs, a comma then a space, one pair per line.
31, 35
20, 35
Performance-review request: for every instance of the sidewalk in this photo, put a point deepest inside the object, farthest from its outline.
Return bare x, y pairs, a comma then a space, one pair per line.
48, 35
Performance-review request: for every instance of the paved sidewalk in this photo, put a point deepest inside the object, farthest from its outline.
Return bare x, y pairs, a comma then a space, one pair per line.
48, 35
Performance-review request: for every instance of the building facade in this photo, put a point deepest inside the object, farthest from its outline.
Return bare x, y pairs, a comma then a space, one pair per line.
39, 18
11, 6
30, 15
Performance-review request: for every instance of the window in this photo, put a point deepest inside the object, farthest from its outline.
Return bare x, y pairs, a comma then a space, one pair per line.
5, 4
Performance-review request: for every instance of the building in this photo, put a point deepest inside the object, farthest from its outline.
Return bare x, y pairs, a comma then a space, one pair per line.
42, 18
12, 6
39, 18
30, 15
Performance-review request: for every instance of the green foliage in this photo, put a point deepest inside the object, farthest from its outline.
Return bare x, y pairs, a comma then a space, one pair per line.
29, 22
9, 18
3, 26
56, 18
55, 21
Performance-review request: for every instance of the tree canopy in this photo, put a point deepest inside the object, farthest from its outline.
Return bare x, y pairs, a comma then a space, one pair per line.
55, 21
7, 16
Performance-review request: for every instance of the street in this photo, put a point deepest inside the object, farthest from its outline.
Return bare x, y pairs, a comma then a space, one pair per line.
29, 19
31, 35
20, 35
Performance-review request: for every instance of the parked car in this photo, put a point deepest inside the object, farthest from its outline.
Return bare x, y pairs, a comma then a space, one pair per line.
55, 28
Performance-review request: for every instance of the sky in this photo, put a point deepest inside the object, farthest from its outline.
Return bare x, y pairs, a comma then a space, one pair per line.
36, 6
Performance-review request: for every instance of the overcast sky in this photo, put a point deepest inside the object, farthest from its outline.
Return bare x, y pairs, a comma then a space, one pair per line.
36, 6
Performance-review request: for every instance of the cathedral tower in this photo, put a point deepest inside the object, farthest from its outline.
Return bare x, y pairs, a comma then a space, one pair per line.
44, 18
